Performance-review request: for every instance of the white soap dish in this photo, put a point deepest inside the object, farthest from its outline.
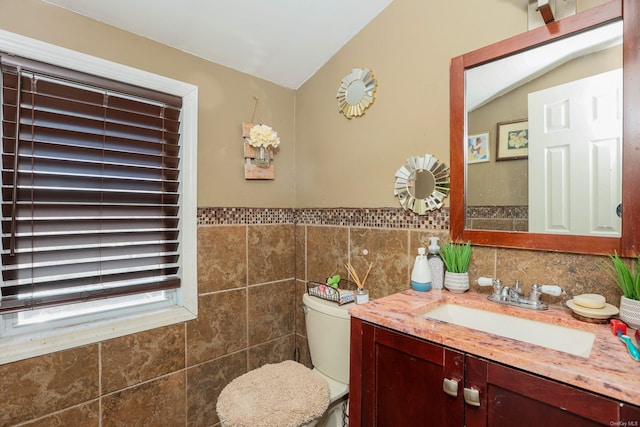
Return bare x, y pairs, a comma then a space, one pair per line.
604, 312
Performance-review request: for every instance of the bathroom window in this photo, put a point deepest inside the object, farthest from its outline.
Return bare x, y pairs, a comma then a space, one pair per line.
98, 199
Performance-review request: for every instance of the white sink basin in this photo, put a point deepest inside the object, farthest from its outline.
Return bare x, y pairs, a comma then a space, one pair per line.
561, 338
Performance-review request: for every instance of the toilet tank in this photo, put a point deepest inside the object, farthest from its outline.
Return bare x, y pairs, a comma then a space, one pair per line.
328, 333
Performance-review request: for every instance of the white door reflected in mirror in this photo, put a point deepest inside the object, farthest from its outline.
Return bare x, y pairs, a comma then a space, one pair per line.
577, 128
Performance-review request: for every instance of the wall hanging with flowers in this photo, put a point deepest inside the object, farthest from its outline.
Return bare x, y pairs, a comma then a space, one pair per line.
259, 142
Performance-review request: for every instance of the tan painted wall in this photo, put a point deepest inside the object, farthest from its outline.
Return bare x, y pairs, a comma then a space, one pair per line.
351, 163
225, 100
324, 160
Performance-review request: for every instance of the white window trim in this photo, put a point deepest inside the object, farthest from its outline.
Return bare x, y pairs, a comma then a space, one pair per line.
21, 347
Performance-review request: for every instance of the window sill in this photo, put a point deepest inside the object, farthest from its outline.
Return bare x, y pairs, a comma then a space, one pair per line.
21, 347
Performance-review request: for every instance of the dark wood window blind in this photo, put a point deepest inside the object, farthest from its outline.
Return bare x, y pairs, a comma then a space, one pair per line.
90, 187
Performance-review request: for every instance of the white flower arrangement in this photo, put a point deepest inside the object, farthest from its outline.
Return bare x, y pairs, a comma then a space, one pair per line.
263, 136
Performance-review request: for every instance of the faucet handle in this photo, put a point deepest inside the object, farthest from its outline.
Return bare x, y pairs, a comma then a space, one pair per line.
537, 290
554, 290
487, 281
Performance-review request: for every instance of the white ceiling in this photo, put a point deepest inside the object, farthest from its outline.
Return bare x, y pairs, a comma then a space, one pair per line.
282, 41
484, 84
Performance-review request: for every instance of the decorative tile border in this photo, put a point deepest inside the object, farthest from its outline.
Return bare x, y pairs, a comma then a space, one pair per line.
234, 216
354, 217
498, 212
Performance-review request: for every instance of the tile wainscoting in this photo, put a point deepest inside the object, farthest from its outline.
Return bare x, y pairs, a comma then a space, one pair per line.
253, 264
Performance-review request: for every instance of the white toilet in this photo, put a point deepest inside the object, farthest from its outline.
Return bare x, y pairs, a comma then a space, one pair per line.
328, 334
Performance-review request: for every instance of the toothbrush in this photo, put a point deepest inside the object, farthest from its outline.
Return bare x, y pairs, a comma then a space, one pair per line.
633, 350
620, 328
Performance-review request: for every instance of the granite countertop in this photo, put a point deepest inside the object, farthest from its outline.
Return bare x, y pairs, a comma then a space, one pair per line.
609, 370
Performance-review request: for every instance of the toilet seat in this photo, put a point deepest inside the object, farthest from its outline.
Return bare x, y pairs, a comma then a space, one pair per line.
286, 393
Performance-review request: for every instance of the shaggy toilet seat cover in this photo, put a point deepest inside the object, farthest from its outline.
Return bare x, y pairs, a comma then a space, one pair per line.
281, 394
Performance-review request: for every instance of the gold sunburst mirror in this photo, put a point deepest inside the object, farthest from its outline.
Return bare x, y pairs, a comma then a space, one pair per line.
356, 92
422, 183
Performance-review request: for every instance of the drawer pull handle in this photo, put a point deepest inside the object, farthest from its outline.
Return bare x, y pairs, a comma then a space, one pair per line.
472, 396
450, 387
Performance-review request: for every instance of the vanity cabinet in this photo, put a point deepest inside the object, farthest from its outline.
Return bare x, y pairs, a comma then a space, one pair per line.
510, 396
396, 380
400, 380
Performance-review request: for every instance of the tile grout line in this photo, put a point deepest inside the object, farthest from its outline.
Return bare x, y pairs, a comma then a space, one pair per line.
409, 264
186, 378
100, 384
246, 296
349, 249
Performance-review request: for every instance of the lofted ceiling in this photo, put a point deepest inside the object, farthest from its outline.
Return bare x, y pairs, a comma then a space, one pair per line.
491, 80
282, 41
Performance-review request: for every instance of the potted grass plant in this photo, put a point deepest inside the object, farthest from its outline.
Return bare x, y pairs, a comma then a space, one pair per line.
629, 282
456, 257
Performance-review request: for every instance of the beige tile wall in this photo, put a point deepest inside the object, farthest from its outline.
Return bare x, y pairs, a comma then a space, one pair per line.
252, 268
172, 376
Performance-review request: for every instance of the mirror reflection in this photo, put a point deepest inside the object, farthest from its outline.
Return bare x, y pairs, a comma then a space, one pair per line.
356, 92
422, 183
544, 138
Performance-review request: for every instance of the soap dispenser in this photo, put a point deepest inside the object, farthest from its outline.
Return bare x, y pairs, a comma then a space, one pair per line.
436, 264
421, 273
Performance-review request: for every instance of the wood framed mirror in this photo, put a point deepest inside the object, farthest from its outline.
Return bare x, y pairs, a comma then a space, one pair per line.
628, 241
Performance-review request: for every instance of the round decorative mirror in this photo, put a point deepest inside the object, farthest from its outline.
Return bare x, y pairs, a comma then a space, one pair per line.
422, 183
356, 92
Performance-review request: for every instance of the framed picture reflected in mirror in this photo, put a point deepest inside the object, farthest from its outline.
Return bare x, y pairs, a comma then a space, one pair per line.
512, 142
478, 148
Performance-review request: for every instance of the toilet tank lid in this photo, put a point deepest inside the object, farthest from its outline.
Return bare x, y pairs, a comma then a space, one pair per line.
327, 307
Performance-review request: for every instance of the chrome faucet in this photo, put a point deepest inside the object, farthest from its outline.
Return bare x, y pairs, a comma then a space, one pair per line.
515, 296
513, 293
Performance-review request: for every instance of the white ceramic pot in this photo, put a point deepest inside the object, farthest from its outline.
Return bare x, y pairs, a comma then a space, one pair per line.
456, 282
630, 312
